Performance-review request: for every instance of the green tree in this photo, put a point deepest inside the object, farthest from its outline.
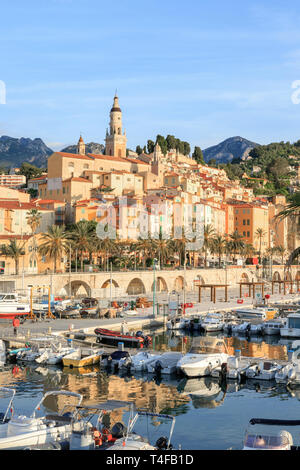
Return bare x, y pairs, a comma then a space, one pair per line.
150, 146
14, 251
34, 218
198, 155
161, 141
55, 243
30, 171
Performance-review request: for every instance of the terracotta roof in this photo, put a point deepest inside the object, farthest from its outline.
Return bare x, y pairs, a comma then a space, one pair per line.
73, 155
77, 179
17, 237
107, 157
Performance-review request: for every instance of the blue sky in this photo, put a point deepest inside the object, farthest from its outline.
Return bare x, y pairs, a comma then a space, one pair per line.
202, 71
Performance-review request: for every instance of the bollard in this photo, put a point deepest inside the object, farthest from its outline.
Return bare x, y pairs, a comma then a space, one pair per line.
120, 346
50, 330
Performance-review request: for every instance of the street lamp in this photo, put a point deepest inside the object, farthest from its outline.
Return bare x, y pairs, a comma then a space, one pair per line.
154, 286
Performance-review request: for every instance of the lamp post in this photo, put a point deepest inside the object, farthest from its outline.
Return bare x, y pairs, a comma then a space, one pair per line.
154, 285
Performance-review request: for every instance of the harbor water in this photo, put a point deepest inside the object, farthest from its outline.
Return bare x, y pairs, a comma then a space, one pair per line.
210, 414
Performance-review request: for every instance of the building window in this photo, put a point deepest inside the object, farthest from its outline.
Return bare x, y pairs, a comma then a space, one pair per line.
86, 166
248, 234
248, 221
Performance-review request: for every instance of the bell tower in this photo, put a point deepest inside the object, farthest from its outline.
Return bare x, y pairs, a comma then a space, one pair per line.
81, 146
115, 141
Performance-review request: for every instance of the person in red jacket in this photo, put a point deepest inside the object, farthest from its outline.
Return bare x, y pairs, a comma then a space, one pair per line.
16, 324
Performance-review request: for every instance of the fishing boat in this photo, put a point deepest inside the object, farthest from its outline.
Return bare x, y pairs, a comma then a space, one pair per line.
23, 431
166, 363
292, 327
82, 357
265, 370
139, 340
32, 353
273, 327
205, 355
212, 322
108, 435
12, 306
269, 434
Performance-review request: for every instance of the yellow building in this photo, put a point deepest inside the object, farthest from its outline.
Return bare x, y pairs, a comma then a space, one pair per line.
248, 218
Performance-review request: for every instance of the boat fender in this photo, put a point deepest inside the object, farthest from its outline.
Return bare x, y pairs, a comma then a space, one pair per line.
97, 438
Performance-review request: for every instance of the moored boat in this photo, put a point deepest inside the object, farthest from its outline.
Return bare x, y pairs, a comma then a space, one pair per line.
139, 340
82, 357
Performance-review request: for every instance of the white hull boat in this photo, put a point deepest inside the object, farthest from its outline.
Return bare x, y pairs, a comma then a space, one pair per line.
236, 367
2, 353
212, 323
166, 363
273, 327
22, 431
139, 362
265, 370
200, 365
11, 306
269, 434
54, 357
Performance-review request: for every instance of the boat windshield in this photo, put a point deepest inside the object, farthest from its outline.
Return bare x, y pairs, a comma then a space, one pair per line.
266, 442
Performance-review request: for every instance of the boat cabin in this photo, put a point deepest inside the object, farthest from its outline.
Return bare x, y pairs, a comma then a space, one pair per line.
293, 320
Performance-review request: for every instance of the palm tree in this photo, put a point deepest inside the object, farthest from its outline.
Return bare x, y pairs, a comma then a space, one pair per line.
33, 218
292, 207
260, 234
218, 245
247, 250
83, 237
281, 251
15, 251
163, 249
208, 234
56, 241
235, 244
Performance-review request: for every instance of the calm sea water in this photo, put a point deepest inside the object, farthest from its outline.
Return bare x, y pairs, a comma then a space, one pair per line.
209, 415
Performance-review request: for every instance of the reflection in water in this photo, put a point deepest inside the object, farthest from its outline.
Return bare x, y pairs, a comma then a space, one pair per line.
191, 400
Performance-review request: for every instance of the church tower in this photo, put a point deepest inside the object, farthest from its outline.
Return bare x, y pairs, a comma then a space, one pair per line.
115, 141
81, 146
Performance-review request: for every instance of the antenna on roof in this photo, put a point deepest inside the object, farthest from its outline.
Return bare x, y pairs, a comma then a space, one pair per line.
116, 92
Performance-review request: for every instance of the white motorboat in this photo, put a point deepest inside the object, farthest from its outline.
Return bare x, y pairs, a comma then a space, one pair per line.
212, 322
32, 353
107, 436
138, 362
166, 363
12, 305
116, 359
265, 370
205, 355
178, 323
292, 327
54, 354
23, 431
273, 327
269, 434
247, 328
236, 367
263, 313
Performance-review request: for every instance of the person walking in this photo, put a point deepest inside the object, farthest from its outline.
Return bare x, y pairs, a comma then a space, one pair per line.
16, 324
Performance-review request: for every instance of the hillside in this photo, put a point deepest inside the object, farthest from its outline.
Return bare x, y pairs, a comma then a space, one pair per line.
229, 149
13, 151
91, 147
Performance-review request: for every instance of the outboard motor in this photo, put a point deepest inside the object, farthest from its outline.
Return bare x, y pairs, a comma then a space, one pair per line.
162, 443
118, 430
158, 367
139, 334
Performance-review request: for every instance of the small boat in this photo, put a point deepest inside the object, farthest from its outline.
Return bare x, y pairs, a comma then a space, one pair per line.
269, 434
31, 354
236, 367
166, 363
247, 328
203, 357
117, 436
272, 327
265, 370
263, 313
22, 431
139, 340
292, 327
54, 354
115, 359
178, 323
138, 362
82, 357
212, 322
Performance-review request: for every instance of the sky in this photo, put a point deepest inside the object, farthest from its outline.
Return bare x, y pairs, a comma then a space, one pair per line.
202, 71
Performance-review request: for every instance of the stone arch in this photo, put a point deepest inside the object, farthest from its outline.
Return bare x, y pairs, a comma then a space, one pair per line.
107, 284
287, 276
179, 283
276, 276
297, 277
136, 286
160, 285
78, 288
